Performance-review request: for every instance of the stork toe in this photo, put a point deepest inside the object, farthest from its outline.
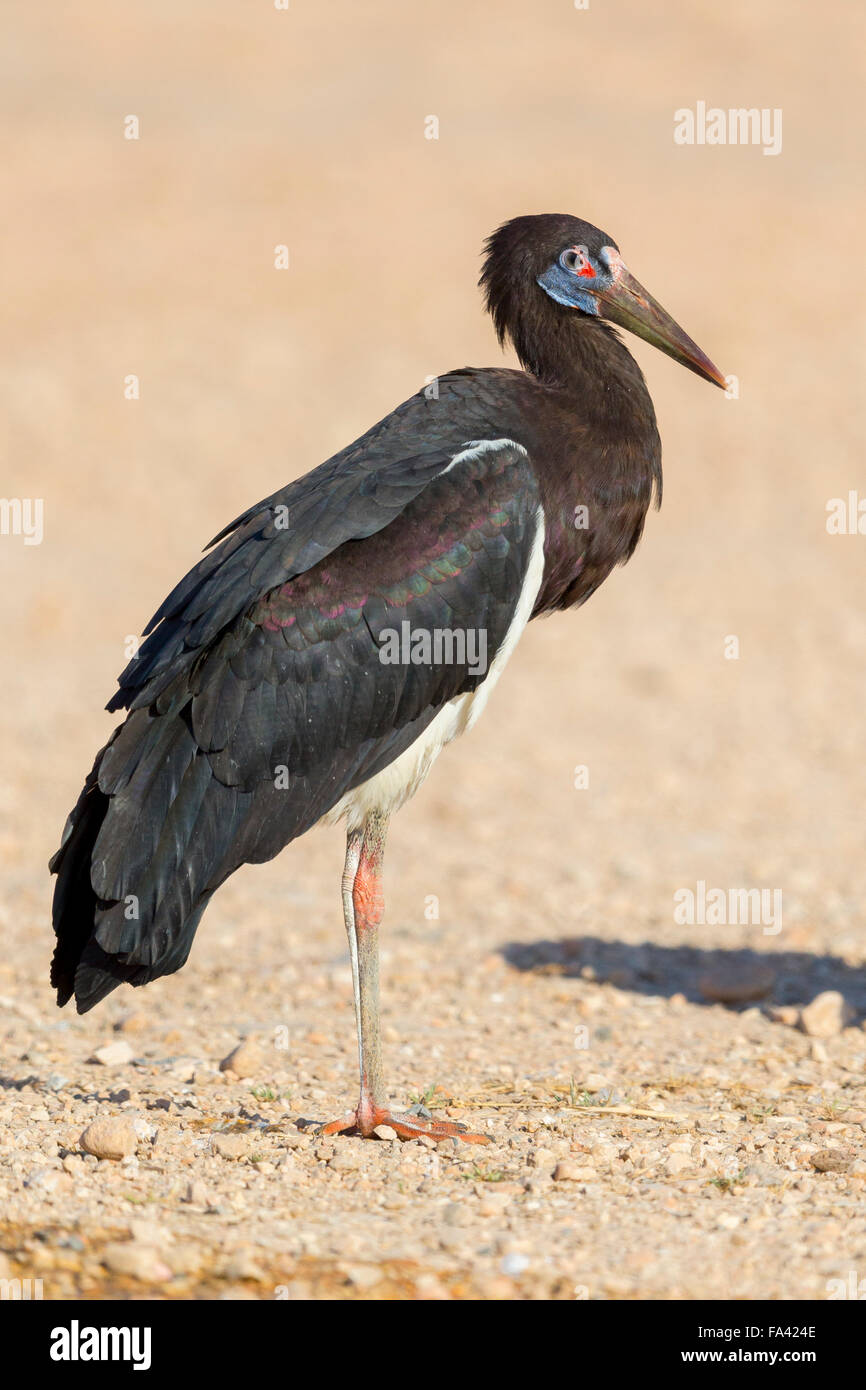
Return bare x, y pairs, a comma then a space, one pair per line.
406, 1125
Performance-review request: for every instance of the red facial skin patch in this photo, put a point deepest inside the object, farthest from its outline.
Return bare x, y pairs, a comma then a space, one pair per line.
586, 271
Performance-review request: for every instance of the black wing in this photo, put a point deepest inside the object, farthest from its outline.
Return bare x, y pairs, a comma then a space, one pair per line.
262, 698
349, 497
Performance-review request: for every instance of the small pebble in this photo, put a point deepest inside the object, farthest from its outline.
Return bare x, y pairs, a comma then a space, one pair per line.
385, 1132
110, 1136
568, 1171
230, 1146
736, 983
137, 1261
113, 1054
832, 1160
246, 1060
826, 1016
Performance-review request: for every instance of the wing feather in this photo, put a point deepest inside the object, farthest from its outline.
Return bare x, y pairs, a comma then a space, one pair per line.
268, 660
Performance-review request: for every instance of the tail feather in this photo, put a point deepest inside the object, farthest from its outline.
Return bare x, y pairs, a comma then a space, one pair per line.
98, 972
75, 902
130, 834
138, 865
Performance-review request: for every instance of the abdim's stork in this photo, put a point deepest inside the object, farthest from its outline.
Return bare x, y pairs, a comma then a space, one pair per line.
315, 664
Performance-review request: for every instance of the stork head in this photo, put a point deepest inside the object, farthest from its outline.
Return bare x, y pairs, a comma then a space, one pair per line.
580, 268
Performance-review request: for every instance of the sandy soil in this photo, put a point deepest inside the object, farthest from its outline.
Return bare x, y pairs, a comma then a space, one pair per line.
665, 1121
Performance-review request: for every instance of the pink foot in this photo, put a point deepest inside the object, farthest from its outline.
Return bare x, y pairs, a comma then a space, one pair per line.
364, 1120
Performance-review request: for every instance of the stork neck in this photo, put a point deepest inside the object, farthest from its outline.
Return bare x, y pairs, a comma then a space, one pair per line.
581, 355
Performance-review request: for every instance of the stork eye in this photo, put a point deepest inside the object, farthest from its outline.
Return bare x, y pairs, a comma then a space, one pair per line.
576, 259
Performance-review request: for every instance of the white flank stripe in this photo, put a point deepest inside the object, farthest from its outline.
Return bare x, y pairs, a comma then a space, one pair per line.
396, 783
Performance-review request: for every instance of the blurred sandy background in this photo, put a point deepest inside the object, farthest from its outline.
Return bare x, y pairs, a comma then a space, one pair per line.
155, 257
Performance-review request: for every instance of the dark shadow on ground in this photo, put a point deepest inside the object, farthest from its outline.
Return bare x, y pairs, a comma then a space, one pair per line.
703, 976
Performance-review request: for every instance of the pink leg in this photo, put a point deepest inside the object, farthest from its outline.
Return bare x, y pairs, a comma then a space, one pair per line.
363, 905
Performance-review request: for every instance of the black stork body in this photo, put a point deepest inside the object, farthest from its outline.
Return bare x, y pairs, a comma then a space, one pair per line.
313, 665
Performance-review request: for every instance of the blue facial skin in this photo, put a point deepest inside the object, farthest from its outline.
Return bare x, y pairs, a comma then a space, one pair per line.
567, 288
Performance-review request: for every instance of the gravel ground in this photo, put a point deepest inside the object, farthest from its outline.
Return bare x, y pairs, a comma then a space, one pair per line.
676, 1110
717, 1153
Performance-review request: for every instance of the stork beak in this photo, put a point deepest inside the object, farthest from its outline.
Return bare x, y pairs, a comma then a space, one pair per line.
630, 306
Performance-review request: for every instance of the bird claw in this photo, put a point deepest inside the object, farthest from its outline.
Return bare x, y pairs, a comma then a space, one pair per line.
406, 1125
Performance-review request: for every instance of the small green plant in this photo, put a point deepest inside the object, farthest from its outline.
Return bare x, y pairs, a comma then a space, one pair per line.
834, 1107
476, 1174
578, 1098
762, 1111
263, 1093
727, 1184
426, 1096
